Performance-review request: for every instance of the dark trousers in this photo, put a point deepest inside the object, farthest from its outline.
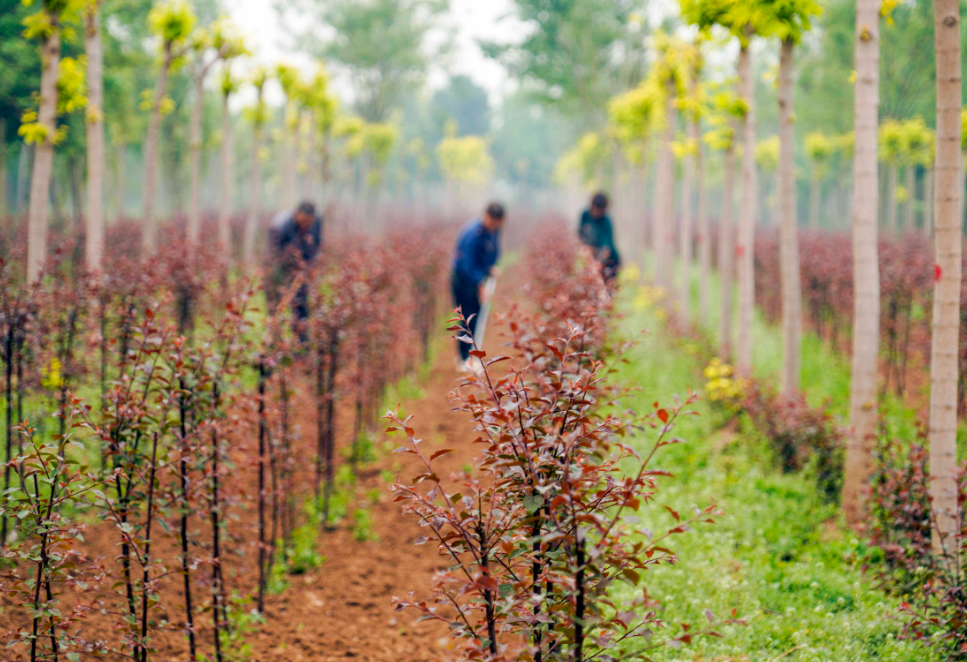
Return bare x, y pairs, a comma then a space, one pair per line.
467, 298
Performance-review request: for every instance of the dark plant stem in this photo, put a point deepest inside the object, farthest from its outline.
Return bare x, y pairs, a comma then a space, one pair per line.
146, 560
217, 605
538, 635
8, 399
103, 349
185, 506
579, 607
330, 441
488, 594
320, 422
288, 522
262, 544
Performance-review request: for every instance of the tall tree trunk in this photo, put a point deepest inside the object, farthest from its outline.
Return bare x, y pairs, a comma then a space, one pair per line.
194, 132
928, 197
120, 183
3, 172
74, 175
290, 132
866, 271
891, 201
664, 190
726, 257
685, 231
225, 194
815, 195
791, 279
910, 184
745, 237
149, 239
43, 152
946, 299
252, 226
704, 243
94, 241
25, 164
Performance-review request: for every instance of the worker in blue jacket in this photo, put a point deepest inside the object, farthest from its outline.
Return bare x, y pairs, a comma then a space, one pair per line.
477, 251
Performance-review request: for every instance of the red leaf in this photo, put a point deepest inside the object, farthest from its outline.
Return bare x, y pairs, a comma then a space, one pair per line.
674, 514
937, 272
663, 415
479, 353
439, 453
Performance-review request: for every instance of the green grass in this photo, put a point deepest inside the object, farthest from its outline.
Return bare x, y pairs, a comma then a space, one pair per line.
826, 373
778, 556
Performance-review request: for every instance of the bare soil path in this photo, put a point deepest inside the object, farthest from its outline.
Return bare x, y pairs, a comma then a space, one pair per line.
344, 609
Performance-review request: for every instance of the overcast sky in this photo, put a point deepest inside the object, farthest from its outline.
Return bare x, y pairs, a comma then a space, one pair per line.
468, 21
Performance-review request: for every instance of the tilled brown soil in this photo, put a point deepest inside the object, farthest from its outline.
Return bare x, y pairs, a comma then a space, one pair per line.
343, 608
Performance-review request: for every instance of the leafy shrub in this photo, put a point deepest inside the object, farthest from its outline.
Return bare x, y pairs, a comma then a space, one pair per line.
931, 581
801, 436
540, 531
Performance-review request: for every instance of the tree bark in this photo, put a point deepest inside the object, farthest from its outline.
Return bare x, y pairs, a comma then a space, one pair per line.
3, 172
910, 183
703, 239
726, 258
685, 231
791, 279
195, 139
94, 241
866, 272
120, 184
251, 227
75, 176
891, 202
664, 183
946, 299
745, 237
149, 238
225, 194
290, 131
25, 164
43, 153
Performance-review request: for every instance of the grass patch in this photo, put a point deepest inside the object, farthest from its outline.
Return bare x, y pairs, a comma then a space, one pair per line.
778, 556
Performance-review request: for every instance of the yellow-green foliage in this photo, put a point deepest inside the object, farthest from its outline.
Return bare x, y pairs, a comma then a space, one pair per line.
71, 85
767, 153
319, 100
844, 143
465, 159
892, 141
819, 150
632, 113
585, 159
172, 21
919, 142
726, 107
907, 142
379, 140
71, 97
721, 385
258, 114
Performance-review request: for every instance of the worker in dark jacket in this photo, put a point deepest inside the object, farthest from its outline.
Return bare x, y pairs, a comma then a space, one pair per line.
296, 237
596, 231
477, 251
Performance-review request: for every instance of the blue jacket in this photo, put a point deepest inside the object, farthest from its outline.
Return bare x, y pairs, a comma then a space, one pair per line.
293, 244
477, 252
